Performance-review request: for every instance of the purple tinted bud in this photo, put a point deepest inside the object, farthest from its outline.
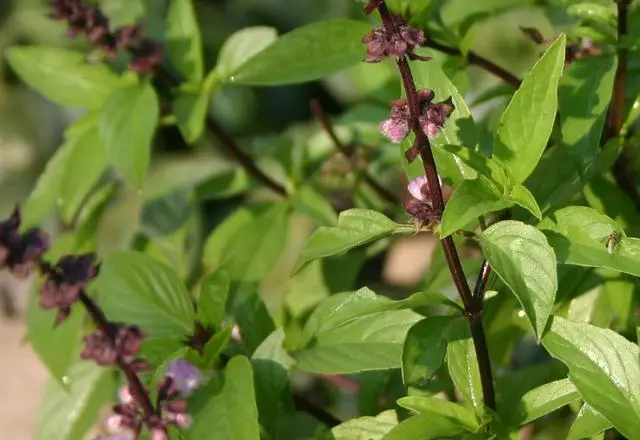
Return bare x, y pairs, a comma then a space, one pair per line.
382, 44
394, 129
418, 188
186, 376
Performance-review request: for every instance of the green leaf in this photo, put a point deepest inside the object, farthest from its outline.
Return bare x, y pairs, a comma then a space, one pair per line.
462, 362
215, 346
356, 227
425, 428
371, 342
68, 412
522, 257
458, 130
424, 350
425, 405
483, 165
521, 196
604, 368
579, 236
588, 423
62, 75
315, 205
307, 53
365, 428
526, 124
271, 365
241, 46
134, 288
543, 400
593, 11
183, 40
127, 124
584, 94
231, 414
213, 298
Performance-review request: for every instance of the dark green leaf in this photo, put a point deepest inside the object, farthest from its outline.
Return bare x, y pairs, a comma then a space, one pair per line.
62, 75
127, 124
230, 414
588, 423
365, 428
584, 95
305, 54
424, 350
241, 46
213, 298
526, 124
136, 289
356, 227
462, 362
425, 405
604, 368
183, 40
215, 346
579, 236
522, 257
68, 412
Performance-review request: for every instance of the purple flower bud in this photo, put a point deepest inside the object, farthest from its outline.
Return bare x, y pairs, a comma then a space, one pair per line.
382, 44
186, 376
395, 129
159, 434
418, 188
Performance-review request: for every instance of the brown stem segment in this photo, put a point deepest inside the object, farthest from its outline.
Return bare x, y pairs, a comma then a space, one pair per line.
324, 121
135, 386
473, 307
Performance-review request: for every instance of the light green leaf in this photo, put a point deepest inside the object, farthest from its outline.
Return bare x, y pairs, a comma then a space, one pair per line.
584, 95
371, 342
365, 428
241, 46
134, 288
62, 75
526, 124
593, 11
356, 227
183, 40
522, 257
426, 405
520, 195
428, 427
307, 53
462, 362
543, 400
68, 412
315, 205
127, 124
603, 366
483, 165
579, 236
190, 107
230, 414
588, 423
213, 298
424, 350
215, 346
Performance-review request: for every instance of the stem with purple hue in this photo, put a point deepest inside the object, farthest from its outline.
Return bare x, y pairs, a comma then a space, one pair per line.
472, 306
324, 121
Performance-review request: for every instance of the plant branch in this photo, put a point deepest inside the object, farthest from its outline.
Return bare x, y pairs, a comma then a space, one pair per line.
324, 121
304, 405
473, 308
476, 60
135, 386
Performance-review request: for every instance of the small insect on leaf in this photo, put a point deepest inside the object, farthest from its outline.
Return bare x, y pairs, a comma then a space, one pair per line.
612, 240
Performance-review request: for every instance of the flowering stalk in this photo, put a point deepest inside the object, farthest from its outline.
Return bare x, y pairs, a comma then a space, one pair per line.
425, 119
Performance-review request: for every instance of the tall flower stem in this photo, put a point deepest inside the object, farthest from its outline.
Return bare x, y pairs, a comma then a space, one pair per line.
472, 306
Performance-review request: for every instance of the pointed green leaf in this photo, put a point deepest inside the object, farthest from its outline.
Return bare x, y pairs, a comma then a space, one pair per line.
603, 366
427, 427
425, 405
521, 196
365, 428
63, 76
127, 124
526, 124
215, 346
241, 46
68, 412
579, 236
462, 362
183, 40
307, 53
230, 414
135, 288
356, 227
588, 423
543, 400
213, 298
522, 257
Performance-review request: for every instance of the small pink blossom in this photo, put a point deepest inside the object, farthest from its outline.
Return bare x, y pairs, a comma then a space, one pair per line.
394, 129
418, 188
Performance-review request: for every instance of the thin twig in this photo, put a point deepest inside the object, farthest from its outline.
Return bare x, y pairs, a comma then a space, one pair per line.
473, 308
305, 405
324, 121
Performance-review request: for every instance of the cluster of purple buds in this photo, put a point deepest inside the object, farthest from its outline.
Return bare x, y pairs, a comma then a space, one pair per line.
382, 43
91, 22
65, 281
21, 252
123, 344
420, 206
431, 119
126, 423
574, 50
